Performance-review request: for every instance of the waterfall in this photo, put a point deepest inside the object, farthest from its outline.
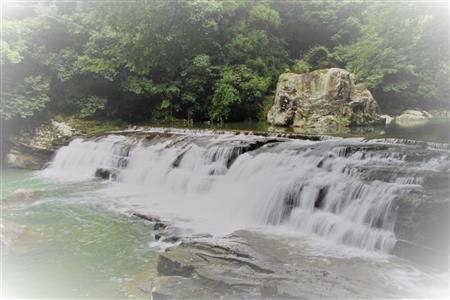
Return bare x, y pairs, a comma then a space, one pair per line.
342, 190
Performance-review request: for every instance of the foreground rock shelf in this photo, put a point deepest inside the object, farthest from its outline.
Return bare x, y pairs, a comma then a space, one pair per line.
245, 265
211, 270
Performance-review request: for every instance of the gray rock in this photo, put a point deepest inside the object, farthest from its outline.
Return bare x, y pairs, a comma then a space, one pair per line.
23, 157
326, 98
171, 267
106, 174
34, 149
412, 118
387, 119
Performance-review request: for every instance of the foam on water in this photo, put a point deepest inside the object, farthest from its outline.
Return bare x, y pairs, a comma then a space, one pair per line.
219, 183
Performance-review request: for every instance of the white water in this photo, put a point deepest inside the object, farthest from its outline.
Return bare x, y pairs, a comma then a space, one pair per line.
315, 188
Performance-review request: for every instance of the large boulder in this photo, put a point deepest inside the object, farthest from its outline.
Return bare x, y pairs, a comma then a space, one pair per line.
322, 98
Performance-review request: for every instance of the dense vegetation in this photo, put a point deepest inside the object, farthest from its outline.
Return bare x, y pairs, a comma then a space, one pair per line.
211, 60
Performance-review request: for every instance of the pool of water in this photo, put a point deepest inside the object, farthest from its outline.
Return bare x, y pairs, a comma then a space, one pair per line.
67, 243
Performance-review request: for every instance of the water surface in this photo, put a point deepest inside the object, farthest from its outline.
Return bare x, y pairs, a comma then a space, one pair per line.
307, 206
63, 242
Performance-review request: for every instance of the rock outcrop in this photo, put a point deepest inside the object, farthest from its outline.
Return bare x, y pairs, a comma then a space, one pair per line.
322, 99
412, 118
32, 150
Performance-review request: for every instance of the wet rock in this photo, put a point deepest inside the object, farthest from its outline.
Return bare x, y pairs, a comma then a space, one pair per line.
170, 267
107, 174
150, 218
322, 194
246, 266
326, 98
177, 161
237, 151
166, 234
163, 237
159, 226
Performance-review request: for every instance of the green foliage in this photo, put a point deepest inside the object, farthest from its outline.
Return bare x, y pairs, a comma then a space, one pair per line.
300, 66
25, 98
318, 57
10, 53
212, 60
62, 63
91, 106
399, 52
140, 85
266, 105
265, 17
238, 87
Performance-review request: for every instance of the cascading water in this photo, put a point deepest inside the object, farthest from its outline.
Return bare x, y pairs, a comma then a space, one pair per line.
343, 190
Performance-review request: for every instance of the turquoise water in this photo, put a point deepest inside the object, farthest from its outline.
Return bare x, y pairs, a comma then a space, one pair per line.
67, 244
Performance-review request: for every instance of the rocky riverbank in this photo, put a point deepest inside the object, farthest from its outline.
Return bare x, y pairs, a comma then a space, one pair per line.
331, 98
33, 149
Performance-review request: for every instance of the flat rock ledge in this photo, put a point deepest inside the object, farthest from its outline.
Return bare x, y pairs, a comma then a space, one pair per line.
238, 268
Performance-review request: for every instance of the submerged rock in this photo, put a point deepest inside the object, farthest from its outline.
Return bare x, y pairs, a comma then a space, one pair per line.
24, 195
322, 98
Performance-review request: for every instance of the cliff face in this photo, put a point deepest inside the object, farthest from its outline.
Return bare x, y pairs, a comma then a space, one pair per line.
322, 98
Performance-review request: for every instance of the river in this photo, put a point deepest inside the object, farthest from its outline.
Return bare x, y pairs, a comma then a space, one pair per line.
324, 216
